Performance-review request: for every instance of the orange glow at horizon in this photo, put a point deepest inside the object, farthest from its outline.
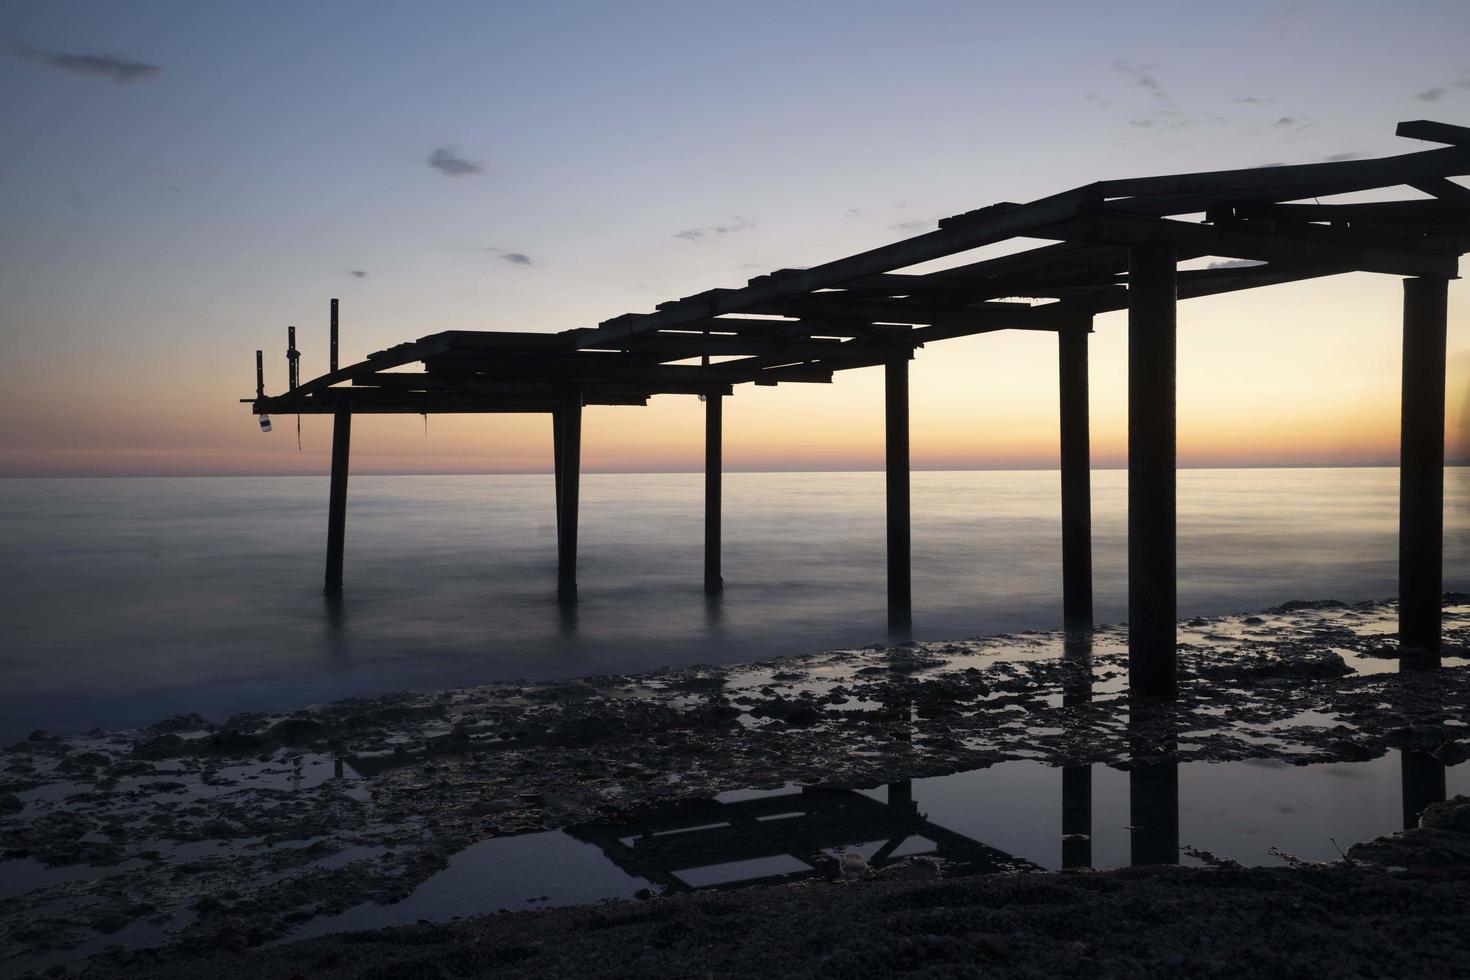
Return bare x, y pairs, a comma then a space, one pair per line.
1305, 374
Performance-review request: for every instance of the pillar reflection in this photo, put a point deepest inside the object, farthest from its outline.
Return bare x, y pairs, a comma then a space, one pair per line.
1153, 786
1077, 779
1423, 784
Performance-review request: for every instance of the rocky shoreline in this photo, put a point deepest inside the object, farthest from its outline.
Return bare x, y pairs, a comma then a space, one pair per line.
1360, 917
215, 837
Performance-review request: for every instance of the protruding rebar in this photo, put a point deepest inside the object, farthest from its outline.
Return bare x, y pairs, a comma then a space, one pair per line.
293, 359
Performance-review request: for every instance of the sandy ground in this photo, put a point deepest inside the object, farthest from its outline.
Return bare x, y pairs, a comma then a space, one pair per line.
1394, 908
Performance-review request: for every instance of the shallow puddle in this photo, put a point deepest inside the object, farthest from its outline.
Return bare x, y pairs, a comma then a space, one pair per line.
1009, 817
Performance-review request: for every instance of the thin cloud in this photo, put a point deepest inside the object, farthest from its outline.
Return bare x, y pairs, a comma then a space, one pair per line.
358, 274
1341, 157
121, 71
699, 234
447, 161
1438, 92
1249, 100
915, 225
1235, 264
1165, 110
514, 258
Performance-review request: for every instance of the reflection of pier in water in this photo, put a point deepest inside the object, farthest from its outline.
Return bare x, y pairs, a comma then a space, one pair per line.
783, 837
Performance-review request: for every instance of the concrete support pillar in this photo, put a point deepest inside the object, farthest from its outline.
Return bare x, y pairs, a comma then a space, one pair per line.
1152, 295
337, 495
556, 472
900, 573
566, 519
1421, 472
1076, 476
713, 460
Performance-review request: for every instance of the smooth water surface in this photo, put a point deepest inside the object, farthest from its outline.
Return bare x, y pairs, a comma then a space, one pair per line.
127, 600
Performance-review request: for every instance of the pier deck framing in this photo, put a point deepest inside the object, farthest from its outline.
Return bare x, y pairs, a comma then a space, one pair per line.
1110, 245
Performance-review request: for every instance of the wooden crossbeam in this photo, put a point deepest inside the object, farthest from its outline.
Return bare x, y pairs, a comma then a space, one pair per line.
1308, 179
608, 368
368, 401
478, 383
1308, 243
833, 305
957, 237
1408, 213
1444, 189
677, 346
1434, 132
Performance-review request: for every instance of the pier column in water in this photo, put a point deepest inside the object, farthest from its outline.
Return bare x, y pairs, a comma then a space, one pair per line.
1152, 296
570, 465
337, 495
1076, 474
1421, 472
556, 471
713, 435
896, 408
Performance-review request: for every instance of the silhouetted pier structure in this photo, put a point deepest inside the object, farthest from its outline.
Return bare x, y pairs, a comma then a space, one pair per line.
1114, 245
784, 837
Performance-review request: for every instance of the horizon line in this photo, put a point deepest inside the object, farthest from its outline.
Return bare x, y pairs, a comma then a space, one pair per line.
1456, 463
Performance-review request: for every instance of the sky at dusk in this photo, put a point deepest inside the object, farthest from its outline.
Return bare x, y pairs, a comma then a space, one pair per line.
181, 181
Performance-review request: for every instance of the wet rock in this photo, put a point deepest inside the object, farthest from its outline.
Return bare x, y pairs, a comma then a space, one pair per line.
790, 712
1296, 605
922, 868
163, 747
232, 742
296, 731
991, 943
1451, 815
191, 722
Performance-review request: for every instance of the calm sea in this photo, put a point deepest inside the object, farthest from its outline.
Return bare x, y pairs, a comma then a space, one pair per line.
127, 600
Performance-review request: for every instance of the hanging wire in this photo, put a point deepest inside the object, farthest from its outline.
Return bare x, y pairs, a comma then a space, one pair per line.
426, 424
298, 433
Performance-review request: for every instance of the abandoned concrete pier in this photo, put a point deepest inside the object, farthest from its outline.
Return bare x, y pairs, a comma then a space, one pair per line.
1112, 245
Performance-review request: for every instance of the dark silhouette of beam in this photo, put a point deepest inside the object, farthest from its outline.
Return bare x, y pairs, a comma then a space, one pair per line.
1076, 475
1421, 472
1152, 670
571, 469
337, 496
896, 412
556, 463
713, 450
